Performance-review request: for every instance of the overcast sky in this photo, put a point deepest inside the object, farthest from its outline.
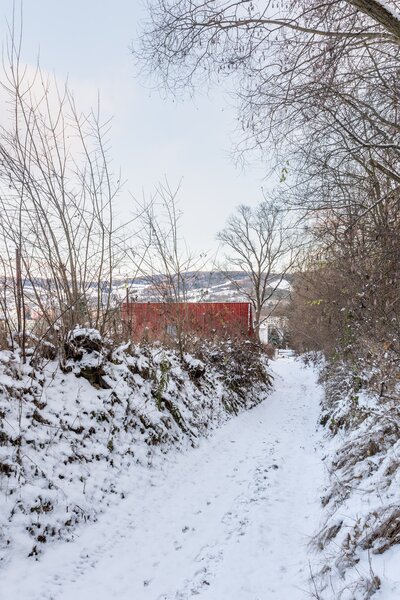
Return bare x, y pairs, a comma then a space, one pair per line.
151, 137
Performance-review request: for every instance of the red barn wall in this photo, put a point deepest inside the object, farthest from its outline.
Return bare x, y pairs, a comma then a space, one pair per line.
156, 319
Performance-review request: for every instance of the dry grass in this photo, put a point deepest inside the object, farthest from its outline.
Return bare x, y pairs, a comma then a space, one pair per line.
384, 531
363, 411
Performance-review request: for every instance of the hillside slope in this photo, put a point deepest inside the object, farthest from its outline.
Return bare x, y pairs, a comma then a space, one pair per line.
70, 437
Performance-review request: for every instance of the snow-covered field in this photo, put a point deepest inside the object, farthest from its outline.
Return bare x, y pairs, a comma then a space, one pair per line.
229, 520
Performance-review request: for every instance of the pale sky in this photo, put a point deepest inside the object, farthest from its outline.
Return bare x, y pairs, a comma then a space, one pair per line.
151, 138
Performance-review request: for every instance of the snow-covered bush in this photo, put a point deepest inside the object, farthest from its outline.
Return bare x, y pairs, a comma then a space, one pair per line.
361, 503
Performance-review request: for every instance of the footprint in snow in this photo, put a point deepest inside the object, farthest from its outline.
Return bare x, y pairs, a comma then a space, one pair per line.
177, 546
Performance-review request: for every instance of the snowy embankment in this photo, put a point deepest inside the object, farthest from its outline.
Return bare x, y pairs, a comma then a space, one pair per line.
228, 520
72, 439
359, 542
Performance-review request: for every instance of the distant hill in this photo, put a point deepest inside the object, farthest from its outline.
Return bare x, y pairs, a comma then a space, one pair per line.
201, 286
205, 286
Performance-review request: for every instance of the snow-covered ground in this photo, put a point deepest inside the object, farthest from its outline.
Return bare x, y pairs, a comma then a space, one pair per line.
229, 520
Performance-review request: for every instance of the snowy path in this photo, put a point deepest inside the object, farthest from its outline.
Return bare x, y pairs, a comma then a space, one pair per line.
227, 521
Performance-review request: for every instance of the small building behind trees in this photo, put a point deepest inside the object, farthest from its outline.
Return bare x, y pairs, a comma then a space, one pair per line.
157, 320
274, 331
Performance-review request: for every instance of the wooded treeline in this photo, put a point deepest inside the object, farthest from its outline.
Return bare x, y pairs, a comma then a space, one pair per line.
318, 90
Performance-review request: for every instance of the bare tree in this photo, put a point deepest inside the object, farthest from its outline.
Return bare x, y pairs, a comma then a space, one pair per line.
58, 234
163, 257
329, 65
317, 84
264, 246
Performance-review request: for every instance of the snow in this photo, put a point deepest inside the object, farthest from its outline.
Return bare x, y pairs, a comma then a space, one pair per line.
228, 520
91, 334
389, 8
362, 455
69, 437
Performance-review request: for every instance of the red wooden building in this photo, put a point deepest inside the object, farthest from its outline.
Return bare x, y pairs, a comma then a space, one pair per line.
156, 320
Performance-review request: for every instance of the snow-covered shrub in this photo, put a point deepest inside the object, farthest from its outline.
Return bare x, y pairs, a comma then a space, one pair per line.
362, 509
241, 358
